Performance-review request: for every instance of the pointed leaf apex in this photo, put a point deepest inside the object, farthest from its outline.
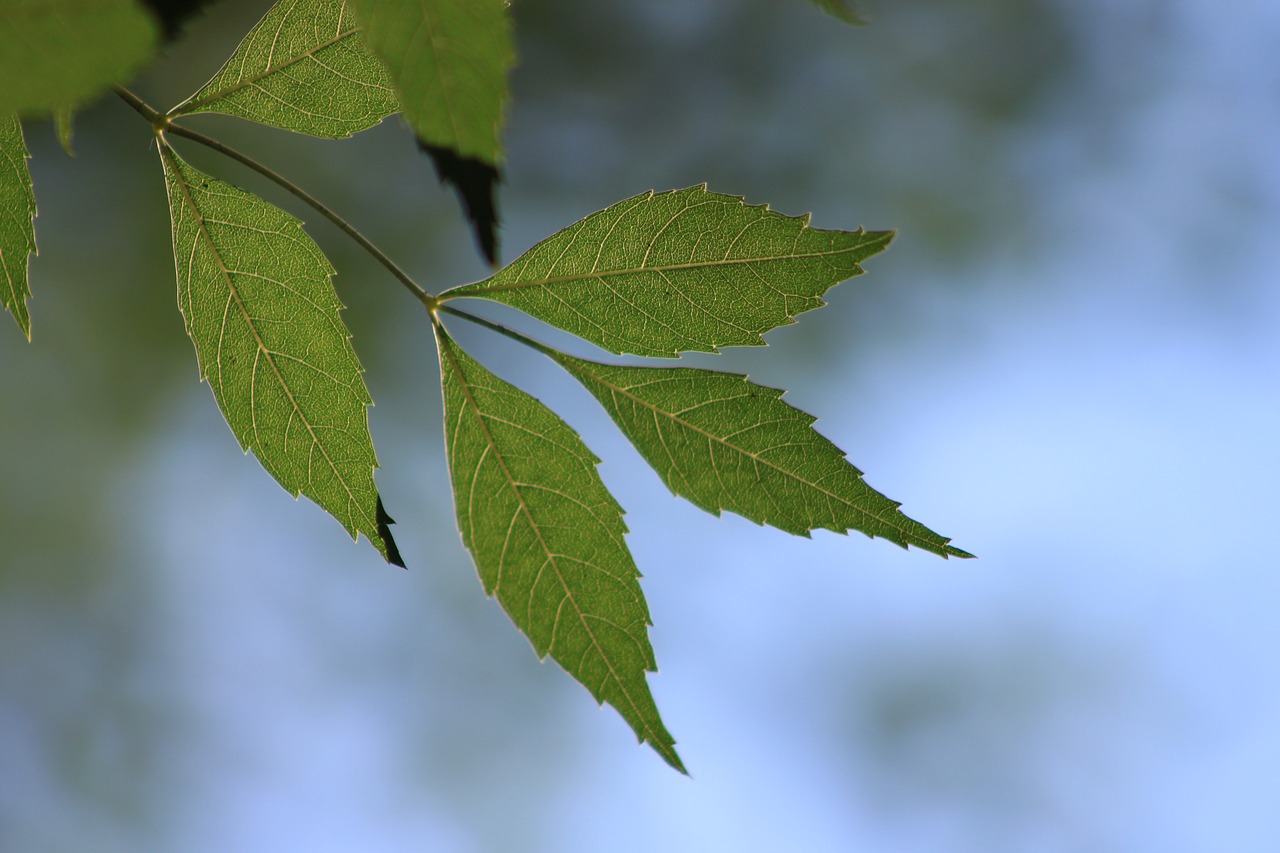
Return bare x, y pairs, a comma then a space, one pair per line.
680, 271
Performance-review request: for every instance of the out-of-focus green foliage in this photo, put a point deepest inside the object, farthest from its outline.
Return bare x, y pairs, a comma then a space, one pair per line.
57, 53
449, 61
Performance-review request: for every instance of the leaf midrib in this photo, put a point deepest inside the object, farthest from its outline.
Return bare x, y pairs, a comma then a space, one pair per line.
245, 82
481, 287
578, 367
354, 501
445, 81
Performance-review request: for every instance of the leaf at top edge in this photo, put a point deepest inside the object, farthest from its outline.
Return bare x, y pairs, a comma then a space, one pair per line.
17, 222
841, 10
304, 67
255, 293
56, 53
684, 270
729, 444
547, 538
449, 61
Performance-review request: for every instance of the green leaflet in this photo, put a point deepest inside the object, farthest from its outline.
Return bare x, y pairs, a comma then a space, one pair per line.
304, 67
449, 60
56, 53
547, 538
685, 270
17, 222
729, 444
258, 304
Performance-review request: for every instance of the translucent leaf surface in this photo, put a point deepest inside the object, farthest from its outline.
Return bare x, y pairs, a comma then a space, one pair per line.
686, 270
259, 307
303, 67
547, 538
17, 226
56, 53
728, 444
449, 61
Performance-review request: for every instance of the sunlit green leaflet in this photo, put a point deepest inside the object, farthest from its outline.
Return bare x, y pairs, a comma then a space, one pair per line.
685, 270
258, 304
547, 538
303, 67
449, 61
17, 226
729, 444
58, 53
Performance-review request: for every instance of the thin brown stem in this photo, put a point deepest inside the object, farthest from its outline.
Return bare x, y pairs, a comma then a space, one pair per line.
163, 124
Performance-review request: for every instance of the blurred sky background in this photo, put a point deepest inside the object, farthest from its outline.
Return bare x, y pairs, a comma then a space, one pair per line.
1068, 361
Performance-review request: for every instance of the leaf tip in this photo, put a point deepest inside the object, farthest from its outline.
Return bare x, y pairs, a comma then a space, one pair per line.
669, 755
384, 533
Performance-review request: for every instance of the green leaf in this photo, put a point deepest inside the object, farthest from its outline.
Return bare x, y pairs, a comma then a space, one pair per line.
258, 304
729, 444
304, 67
685, 270
840, 9
547, 538
449, 61
17, 222
56, 53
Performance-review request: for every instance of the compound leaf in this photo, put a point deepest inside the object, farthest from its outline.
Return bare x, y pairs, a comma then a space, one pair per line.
729, 444
17, 222
685, 270
258, 304
547, 538
56, 53
304, 67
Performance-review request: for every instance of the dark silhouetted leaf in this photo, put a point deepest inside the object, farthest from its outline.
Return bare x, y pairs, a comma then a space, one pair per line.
476, 183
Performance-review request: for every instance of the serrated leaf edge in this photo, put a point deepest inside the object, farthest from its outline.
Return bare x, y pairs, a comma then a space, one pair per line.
372, 521
666, 750
480, 290
572, 365
20, 288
